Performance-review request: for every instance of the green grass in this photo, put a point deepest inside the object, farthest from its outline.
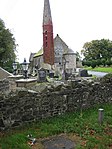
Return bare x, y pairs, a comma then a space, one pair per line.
84, 124
100, 69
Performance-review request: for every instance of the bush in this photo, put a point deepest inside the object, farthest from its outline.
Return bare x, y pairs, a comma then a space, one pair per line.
93, 63
98, 62
108, 62
87, 63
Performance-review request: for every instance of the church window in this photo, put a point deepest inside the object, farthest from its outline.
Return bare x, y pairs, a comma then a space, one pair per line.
46, 44
45, 32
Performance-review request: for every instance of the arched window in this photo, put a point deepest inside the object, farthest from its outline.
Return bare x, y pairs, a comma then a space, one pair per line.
45, 32
46, 44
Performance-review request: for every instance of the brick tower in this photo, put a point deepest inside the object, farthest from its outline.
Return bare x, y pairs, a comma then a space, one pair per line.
48, 42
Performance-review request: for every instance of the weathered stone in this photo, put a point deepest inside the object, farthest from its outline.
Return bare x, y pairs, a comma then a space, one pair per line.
59, 142
24, 106
1, 123
27, 117
16, 124
58, 87
4, 85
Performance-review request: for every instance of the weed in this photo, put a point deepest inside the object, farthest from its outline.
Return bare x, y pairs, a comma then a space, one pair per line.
84, 124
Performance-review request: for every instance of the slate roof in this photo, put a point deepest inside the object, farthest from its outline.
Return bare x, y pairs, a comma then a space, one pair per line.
39, 53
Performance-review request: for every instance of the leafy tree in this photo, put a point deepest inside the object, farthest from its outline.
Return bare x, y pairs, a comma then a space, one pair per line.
103, 61
7, 47
98, 62
98, 50
108, 62
78, 57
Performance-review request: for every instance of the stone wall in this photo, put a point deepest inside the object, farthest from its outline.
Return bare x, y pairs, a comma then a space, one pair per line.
28, 106
4, 74
4, 85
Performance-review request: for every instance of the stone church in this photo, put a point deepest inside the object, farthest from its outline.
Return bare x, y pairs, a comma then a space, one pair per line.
55, 54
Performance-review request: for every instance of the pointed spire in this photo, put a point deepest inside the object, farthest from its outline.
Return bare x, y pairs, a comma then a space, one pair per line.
47, 19
48, 42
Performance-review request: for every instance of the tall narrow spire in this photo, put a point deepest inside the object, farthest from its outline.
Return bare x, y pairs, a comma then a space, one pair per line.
48, 42
47, 19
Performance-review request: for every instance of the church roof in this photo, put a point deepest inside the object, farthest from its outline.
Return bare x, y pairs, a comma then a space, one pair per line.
39, 53
70, 51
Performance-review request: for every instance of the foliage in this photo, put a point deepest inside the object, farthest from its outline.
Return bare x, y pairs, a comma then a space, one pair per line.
98, 51
108, 62
7, 47
92, 63
78, 57
83, 124
87, 63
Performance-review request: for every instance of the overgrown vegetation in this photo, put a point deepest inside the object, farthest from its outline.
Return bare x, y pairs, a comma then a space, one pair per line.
83, 124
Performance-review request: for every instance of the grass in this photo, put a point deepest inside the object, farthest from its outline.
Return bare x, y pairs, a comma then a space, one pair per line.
84, 125
100, 69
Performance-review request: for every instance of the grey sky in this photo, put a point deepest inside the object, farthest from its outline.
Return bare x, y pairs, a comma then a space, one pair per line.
76, 22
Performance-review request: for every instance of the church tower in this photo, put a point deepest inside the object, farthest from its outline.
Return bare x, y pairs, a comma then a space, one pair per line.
48, 42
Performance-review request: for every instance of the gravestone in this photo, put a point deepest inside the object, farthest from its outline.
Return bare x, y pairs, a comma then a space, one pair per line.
42, 75
58, 142
83, 73
51, 75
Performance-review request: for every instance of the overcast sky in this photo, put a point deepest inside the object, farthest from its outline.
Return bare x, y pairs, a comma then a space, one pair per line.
76, 22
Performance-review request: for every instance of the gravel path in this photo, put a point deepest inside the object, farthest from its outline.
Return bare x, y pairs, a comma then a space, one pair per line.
98, 74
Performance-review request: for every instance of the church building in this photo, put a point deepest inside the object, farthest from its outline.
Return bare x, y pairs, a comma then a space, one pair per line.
54, 54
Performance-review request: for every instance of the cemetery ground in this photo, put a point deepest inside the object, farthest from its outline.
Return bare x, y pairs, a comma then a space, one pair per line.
100, 69
81, 127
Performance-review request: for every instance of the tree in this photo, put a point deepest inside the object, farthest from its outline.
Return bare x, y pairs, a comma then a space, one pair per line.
98, 51
108, 62
78, 57
7, 47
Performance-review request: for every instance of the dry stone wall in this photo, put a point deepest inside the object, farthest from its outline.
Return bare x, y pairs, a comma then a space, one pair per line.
4, 85
27, 106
